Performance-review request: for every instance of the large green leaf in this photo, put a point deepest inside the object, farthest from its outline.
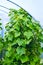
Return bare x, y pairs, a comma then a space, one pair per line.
28, 34
20, 41
17, 34
20, 50
24, 59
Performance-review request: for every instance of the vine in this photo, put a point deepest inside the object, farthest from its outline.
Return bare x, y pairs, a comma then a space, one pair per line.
22, 40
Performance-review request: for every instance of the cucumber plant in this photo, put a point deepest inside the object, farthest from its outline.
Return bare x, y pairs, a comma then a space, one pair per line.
23, 39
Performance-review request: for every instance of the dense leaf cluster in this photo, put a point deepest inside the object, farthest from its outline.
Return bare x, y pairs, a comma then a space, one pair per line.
1, 42
22, 39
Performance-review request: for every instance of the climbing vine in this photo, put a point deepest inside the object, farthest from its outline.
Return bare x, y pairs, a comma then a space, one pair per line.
22, 40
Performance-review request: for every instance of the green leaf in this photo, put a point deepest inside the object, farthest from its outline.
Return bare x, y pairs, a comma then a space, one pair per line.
36, 59
17, 34
16, 26
32, 63
20, 50
24, 59
40, 37
25, 41
28, 34
20, 41
28, 41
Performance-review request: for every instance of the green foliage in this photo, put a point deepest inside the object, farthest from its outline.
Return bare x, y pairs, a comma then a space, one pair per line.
1, 43
22, 39
1, 40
